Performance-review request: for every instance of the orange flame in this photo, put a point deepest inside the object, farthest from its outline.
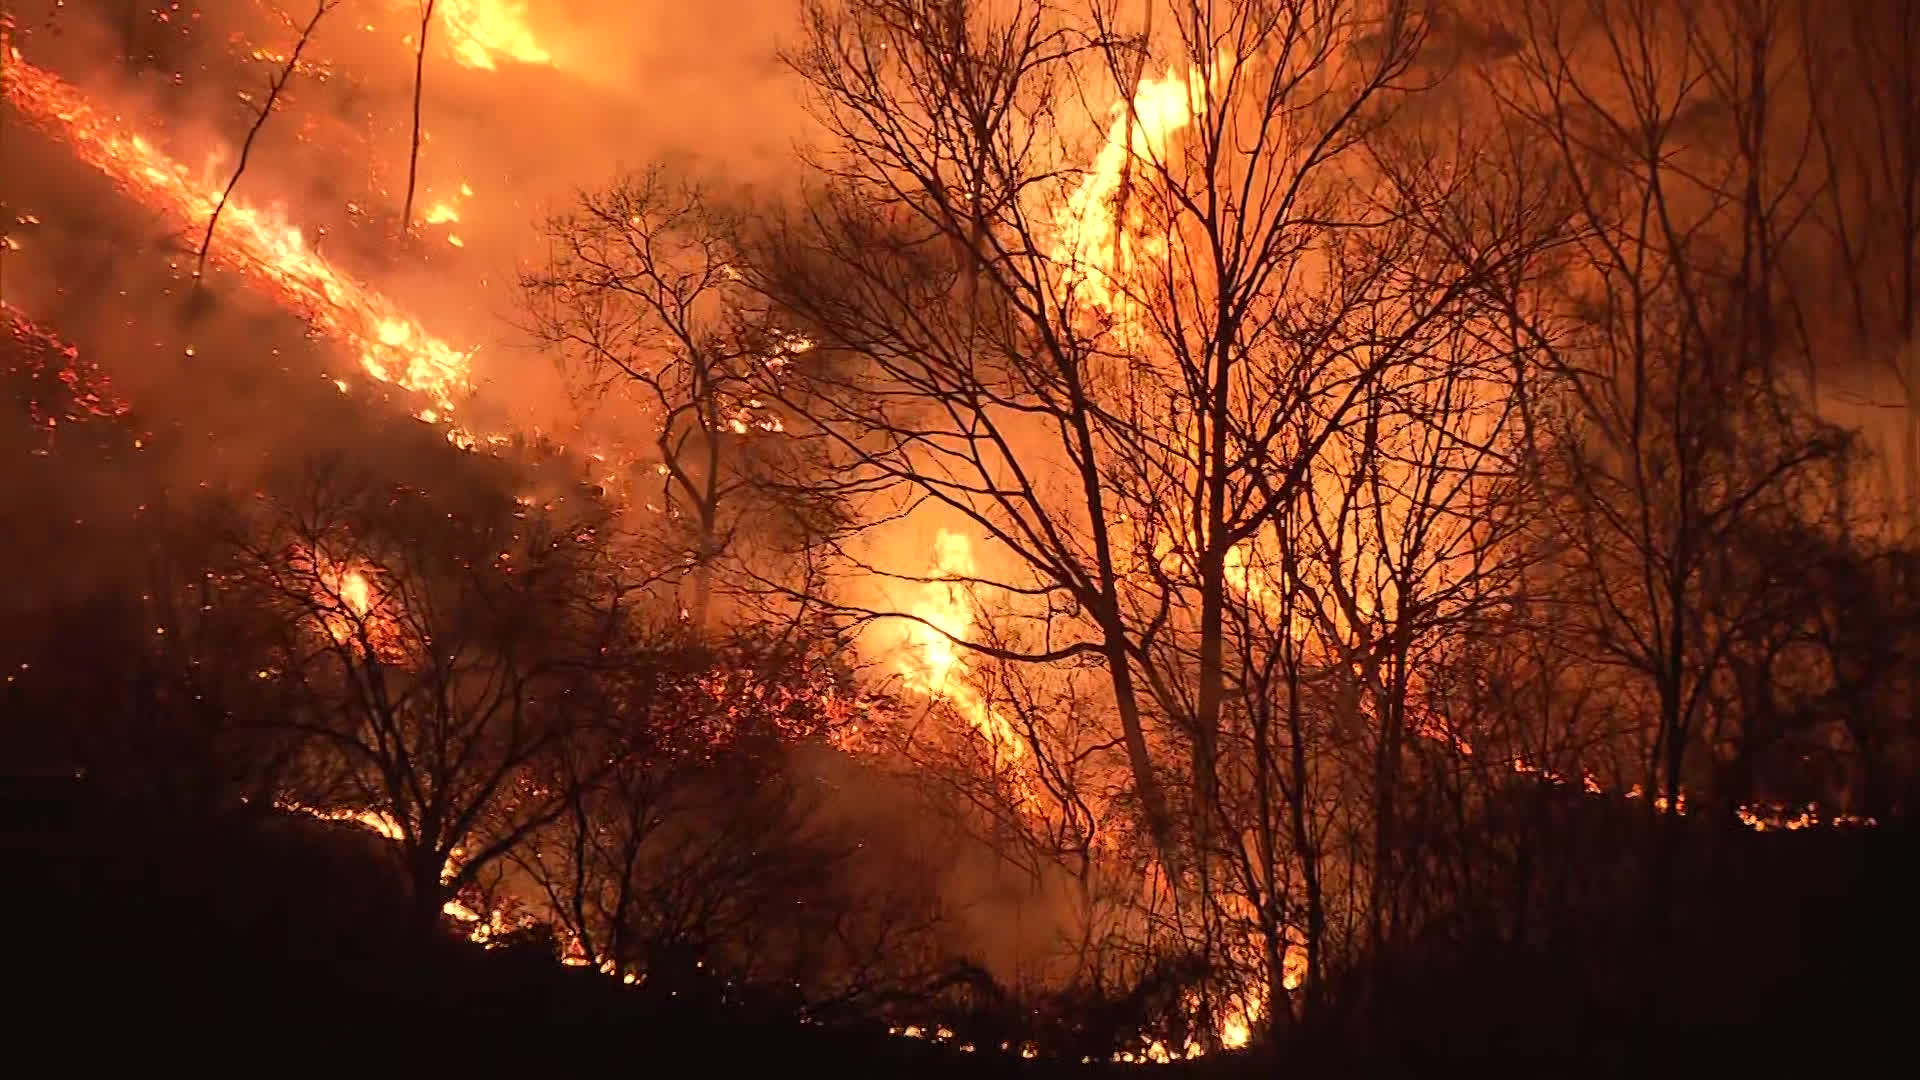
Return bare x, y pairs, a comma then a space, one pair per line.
271, 255
933, 665
1104, 236
484, 32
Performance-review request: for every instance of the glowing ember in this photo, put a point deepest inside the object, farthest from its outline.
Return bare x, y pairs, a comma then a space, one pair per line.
57, 386
269, 254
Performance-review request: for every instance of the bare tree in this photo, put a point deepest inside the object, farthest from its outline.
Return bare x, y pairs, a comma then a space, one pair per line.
640, 300
1290, 419
912, 93
1123, 377
1861, 87
1681, 432
443, 654
419, 86
1669, 326
697, 857
274, 86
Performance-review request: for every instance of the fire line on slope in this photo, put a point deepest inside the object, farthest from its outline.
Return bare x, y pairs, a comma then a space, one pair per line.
269, 254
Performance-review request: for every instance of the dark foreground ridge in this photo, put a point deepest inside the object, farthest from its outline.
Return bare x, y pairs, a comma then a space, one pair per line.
137, 913
248, 918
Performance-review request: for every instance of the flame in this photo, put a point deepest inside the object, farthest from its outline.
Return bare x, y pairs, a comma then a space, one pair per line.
484, 32
355, 592
348, 607
1235, 1025
270, 254
379, 822
1100, 250
481, 929
933, 665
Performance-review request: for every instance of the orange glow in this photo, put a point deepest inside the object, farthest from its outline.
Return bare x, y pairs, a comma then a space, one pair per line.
270, 254
1236, 1027
349, 607
932, 664
1104, 235
482, 33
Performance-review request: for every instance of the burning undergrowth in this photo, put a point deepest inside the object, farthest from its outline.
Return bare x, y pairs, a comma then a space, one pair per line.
956, 608
53, 386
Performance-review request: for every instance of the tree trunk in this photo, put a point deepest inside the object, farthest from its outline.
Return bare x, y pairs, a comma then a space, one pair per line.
429, 896
419, 81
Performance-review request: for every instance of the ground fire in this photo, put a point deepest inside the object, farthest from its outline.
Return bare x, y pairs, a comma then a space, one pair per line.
1142, 532
267, 252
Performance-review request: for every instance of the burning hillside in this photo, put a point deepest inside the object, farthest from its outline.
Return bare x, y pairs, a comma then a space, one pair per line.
267, 253
1165, 529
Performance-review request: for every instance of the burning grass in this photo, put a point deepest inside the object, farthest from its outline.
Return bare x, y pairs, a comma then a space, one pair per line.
267, 253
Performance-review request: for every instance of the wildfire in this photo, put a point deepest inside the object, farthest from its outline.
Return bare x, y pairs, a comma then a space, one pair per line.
1106, 238
1104, 233
268, 253
348, 606
932, 664
484, 32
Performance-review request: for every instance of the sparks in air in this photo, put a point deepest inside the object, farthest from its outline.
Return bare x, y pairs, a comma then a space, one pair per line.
269, 254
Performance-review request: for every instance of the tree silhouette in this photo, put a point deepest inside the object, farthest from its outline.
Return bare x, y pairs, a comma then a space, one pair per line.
444, 655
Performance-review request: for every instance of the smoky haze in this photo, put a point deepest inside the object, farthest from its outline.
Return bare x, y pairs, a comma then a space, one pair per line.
232, 387
696, 86
700, 88
236, 386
